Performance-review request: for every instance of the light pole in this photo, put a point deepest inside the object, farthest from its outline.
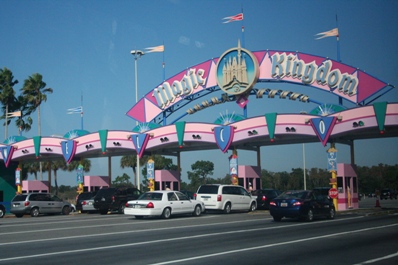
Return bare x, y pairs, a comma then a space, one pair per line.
305, 181
137, 55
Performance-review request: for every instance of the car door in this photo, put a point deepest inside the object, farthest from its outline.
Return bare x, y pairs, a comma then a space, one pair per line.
244, 198
174, 203
317, 203
186, 204
44, 202
57, 204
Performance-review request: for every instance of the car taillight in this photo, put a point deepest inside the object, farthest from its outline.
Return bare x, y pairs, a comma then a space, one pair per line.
150, 205
272, 203
219, 198
194, 196
113, 198
84, 203
264, 198
297, 203
26, 203
127, 204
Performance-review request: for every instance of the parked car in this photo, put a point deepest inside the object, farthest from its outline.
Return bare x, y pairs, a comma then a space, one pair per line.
84, 196
88, 206
226, 198
302, 204
264, 196
38, 203
2, 210
114, 199
388, 194
163, 204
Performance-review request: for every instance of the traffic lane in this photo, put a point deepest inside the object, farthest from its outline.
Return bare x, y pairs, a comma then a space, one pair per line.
185, 241
91, 225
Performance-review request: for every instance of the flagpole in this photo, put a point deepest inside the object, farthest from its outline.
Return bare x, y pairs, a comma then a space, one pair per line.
338, 41
164, 68
243, 32
81, 113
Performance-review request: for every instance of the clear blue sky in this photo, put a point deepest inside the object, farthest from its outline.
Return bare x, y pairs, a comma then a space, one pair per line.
83, 48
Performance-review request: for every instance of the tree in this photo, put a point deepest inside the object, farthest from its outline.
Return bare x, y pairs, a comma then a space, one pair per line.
201, 170
55, 166
7, 93
130, 161
34, 90
122, 181
31, 168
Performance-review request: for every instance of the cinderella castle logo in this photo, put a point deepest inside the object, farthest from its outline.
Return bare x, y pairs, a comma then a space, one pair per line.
237, 71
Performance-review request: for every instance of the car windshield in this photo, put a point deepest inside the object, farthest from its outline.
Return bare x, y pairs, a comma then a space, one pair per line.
21, 197
151, 196
293, 195
105, 192
208, 189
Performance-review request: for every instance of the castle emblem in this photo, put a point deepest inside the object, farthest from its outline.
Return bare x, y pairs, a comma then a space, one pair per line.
237, 71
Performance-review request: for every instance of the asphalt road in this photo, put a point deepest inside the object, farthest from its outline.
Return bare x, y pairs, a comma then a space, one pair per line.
355, 237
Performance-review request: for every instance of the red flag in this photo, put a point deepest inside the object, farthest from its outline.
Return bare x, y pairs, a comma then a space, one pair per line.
234, 18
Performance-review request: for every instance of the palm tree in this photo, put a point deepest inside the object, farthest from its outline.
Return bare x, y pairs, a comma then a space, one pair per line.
35, 92
55, 166
24, 123
86, 163
130, 161
7, 93
31, 167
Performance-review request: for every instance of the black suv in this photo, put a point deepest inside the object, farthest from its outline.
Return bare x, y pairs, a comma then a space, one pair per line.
388, 194
114, 199
264, 196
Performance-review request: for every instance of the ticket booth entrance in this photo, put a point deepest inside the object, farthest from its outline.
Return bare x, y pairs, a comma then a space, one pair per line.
347, 186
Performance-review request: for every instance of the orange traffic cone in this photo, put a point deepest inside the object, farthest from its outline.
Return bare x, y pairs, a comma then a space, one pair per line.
377, 202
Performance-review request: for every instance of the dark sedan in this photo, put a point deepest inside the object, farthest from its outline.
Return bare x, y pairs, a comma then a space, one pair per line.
265, 196
302, 204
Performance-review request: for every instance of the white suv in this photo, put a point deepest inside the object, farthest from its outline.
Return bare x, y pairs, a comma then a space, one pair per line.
226, 198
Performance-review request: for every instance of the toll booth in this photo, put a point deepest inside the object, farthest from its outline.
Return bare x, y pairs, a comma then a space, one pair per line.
167, 179
347, 186
94, 183
249, 175
35, 186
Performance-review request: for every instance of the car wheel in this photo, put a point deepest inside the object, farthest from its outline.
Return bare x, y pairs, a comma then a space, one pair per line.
277, 218
1, 212
227, 208
66, 210
166, 213
139, 217
253, 207
310, 215
197, 211
34, 212
103, 212
332, 213
121, 208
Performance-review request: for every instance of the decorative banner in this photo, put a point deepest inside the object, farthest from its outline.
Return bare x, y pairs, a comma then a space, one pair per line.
7, 152
224, 136
180, 128
380, 109
150, 168
103, 134
233, 165
270, 119
140, 141
17, 177
323, 127
36, 142
332, 161
68, 150
79, 174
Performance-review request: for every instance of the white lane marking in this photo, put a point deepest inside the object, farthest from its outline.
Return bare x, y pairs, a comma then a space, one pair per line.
190, 238
378, 259
273, 245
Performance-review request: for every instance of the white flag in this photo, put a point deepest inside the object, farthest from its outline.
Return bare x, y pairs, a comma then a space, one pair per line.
331, 33
75, 110
155, 49
14, 114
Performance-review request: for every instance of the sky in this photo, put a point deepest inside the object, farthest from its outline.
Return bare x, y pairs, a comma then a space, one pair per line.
82, 50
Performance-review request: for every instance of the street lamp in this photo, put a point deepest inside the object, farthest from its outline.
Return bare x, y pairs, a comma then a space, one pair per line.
137, 55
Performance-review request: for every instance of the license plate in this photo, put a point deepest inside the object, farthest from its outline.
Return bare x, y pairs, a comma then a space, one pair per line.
283, 204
